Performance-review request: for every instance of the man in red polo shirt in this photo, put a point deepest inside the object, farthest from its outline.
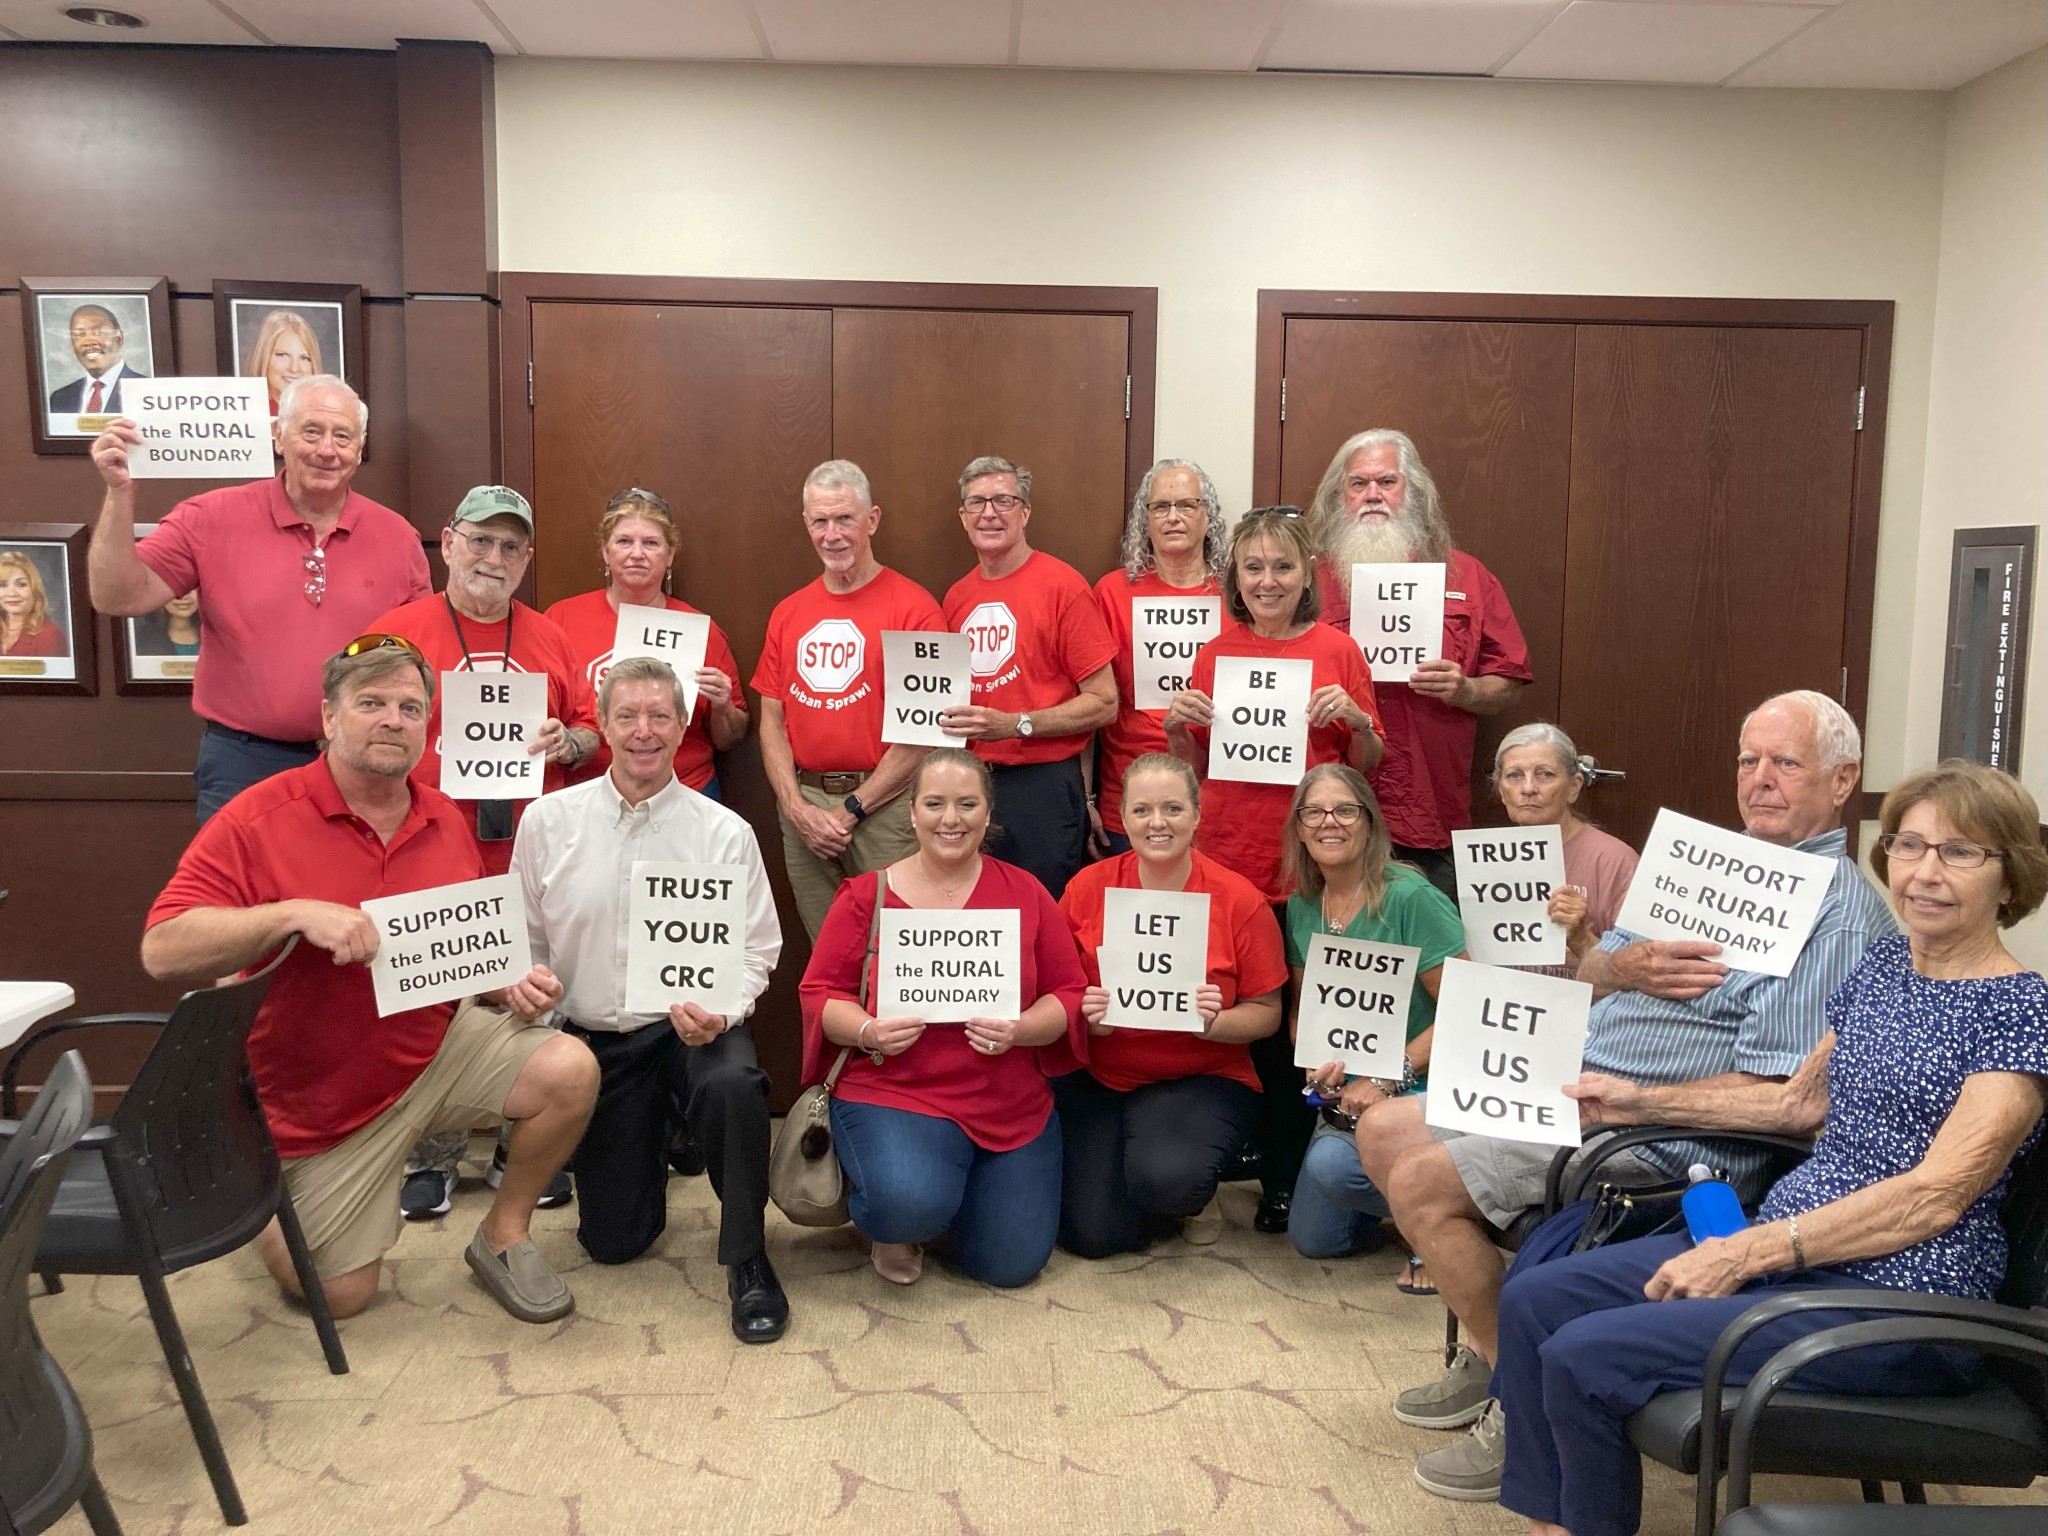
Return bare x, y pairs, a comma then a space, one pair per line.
1378, 504
1042, 680
288, 570
346, 1092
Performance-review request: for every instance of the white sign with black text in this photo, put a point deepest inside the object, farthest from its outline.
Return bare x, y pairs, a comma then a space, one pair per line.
948, 967
686, 929
198, 429
680, 639
1154, 954
1354, 1005
451, 941
1506, 876
1698, 881
1397, 616
1165, 634
1259, 727
489, 723
1506, 1043
923, 675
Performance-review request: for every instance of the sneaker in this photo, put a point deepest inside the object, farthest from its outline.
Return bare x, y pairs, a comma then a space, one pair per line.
1453, 1400
425, 1194
1470, 1468
558, 1193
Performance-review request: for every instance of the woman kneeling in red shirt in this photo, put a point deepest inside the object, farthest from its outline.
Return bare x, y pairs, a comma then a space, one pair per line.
945, 1128
1151, 1122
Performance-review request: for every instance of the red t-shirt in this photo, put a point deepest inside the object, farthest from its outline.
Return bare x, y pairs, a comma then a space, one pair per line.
538, 645
591, 623
1035, 636
1246, 959
1424, 780
1134, 731
325, 1064
1243, 825
1001, 1102
823, 659
244, 548
50, 640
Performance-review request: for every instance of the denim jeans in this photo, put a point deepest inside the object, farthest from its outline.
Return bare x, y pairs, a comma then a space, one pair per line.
911, 1177
230, 761
1336, 1209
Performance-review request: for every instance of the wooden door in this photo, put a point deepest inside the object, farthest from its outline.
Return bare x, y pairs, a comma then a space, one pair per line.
1709, 563
1489, 405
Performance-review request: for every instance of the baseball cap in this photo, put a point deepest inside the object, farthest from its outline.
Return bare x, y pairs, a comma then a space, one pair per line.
489, 501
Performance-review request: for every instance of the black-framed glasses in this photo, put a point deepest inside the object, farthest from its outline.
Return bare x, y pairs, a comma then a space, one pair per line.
362, 645
1259, 512
1911, 848
635, 493
1346, 813
1002, 503
1189, 508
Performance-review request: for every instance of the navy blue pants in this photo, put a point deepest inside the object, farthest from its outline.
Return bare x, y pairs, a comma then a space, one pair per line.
1041, 820
1581, 1349
230, 761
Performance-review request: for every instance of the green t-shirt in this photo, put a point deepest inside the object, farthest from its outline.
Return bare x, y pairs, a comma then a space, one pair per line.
1415, 913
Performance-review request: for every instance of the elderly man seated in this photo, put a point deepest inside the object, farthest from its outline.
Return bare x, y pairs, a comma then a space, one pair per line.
1667, 1013
347, 1093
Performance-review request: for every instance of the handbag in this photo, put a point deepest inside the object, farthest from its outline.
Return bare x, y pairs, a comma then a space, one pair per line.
804, 1177
1621, 1214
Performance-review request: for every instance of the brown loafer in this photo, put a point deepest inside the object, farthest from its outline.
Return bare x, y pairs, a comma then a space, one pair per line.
523, 1282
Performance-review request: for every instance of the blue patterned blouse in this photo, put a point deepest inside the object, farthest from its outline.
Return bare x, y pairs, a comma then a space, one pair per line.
1903, 1045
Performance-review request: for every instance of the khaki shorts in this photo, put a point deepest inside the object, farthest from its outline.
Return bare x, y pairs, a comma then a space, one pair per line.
347, 1196
1505, 1178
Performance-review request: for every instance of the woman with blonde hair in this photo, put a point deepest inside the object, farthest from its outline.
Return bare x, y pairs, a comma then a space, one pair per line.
284, 349
26, 628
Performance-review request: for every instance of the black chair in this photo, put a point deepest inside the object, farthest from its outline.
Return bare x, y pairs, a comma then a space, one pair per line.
1995, 1435
185, 1172
47, 1466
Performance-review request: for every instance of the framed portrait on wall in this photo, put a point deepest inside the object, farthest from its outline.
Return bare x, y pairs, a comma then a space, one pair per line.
84, 336
286, 331
46, 621
158, 652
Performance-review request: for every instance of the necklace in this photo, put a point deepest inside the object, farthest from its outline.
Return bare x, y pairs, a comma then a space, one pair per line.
1339, 924
948, 892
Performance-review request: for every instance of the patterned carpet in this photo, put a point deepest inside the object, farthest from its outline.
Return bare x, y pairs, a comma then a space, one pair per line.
1237, 1388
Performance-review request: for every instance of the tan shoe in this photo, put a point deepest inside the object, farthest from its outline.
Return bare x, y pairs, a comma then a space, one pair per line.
1204, 1229
899, 1263
522, 1281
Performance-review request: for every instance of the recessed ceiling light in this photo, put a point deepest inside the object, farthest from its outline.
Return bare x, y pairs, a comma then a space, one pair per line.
100, 16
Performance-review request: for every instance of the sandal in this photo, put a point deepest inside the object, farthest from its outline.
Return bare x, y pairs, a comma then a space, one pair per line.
1409, 1285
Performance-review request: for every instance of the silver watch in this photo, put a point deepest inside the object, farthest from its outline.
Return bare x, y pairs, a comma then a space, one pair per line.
1024, 726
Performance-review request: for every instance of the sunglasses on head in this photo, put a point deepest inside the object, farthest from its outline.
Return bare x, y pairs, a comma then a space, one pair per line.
363, 644
634, 493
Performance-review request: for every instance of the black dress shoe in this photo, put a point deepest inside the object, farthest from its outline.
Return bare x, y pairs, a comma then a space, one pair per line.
760, 1312
1271, 1215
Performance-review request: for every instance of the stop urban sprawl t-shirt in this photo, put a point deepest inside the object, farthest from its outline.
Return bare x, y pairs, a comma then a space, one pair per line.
1033, 635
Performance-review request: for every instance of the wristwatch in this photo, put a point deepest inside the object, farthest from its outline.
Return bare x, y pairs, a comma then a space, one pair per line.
1024, 726
852, 806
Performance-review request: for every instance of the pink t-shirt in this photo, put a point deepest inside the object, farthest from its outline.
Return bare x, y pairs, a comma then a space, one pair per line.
244, 549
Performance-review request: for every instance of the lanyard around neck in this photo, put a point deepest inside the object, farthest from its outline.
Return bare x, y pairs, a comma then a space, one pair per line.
456, 619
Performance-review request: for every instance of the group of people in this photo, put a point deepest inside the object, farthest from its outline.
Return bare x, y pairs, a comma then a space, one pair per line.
995, 1141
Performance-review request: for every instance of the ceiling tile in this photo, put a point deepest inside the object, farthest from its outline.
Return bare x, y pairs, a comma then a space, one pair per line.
1145, 34
888, 31
170, 21
1665, 44
369, 23
1925, 45
1416, 36
631, 29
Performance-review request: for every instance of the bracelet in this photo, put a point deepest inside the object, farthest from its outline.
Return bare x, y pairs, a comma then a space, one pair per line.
1798, 1248
857, 1042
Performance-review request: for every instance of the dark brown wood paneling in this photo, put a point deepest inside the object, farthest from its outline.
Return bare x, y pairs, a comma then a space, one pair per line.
448, 166
1708, 565
451, 422
917, 393
1489, 405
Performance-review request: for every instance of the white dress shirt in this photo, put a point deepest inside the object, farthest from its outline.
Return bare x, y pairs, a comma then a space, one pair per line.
574, 860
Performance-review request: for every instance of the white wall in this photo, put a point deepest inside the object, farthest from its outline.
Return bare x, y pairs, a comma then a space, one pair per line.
1210, 188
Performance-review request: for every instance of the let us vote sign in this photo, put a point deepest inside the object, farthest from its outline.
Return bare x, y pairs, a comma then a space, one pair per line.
1154, 954
1506, 1043
923, 676
1354, 1005
1397, 616
1258, 731
489, 723
1756, 900
198, 429
447, 942
680, 639
1165, 634
686, 937
1505, 878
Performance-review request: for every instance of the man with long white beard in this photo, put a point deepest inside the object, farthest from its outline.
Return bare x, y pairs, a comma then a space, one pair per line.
1377, 504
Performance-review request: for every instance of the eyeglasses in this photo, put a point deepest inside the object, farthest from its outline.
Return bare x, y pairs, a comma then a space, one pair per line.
1259, 512
1345, 813
97, 330
364, 644
1004, 503
1911, 848
1190, 508
633, 493
316, 574
484, 545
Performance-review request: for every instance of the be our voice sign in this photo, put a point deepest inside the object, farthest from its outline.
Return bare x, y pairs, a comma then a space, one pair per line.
1354, 1005
1506, 1043
198, 429
685, 937
1756, 900
1397, 616
1154, 954
1165, 634
1258, 732
451, 941
680, 639
489, 723
948, 967
923, 675
1505, 879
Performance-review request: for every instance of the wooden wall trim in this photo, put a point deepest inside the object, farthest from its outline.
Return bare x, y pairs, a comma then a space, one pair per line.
94, 784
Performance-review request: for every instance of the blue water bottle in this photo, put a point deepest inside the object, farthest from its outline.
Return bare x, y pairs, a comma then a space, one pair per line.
1712, 1208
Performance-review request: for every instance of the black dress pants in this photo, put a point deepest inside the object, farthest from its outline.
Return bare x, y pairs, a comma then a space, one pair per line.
621, 1165
1041, 816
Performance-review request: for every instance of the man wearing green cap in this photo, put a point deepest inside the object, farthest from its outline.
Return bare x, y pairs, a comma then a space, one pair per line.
476, 625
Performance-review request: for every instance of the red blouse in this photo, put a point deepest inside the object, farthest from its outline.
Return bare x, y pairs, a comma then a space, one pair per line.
1001, 1102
